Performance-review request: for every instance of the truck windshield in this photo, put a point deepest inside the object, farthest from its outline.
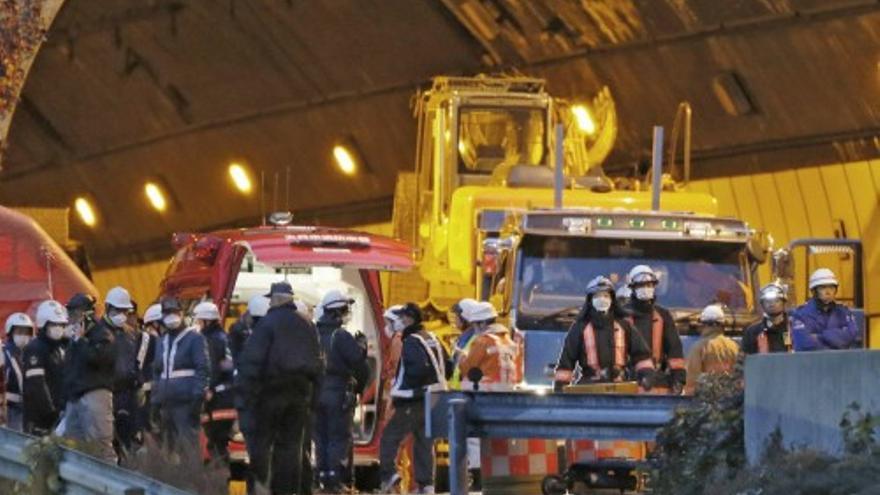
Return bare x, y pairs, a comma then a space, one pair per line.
489, 137
555, 271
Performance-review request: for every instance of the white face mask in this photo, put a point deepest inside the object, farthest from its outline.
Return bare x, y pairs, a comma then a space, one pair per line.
601, 303
118, 319
55, 332
21, 340
645, 293
172, 322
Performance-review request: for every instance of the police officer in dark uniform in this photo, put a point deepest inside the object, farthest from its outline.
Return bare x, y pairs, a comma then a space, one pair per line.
220, 414
346, 376
277, 371
43, 370
19, 332
126, 380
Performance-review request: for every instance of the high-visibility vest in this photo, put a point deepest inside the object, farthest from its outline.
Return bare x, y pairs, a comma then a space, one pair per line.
593, 355
657, 342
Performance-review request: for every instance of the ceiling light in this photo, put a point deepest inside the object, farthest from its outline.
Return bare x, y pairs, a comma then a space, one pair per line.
86, 211
345, 159
240, 178
156, 196
583, 119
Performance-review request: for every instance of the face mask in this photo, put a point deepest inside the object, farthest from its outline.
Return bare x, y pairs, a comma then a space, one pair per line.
118, 319
21, 340
172, 322
55, 332
645, 293
601, 303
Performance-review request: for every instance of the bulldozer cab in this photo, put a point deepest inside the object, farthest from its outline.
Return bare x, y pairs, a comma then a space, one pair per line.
479, 131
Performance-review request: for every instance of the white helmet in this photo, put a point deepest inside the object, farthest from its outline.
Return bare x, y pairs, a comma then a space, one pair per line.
153, 313
18, 320
641, 274
206, 310
335, 299
823, 276
712, 313
772, 291
391, 313
481, 311
600, 284
467, 305
51, 312
119, 298
258, 306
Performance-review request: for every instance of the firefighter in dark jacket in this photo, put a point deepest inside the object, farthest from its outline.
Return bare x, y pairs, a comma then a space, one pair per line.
345, 377
657, 328
126, 381
278, 370
19, 332
423, 364
771, 333
43, 360
219, 408
603, 345
181, 374
90, 370
239, 332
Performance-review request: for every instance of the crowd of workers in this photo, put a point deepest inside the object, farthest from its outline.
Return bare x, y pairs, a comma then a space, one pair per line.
114, 380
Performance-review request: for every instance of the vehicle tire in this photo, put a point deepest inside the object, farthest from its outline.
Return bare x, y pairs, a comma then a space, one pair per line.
553, 485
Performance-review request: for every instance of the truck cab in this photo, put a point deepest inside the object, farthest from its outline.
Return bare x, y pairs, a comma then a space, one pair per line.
536, 268
231, 266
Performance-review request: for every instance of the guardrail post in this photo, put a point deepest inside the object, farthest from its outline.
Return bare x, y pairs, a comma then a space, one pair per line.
458, 447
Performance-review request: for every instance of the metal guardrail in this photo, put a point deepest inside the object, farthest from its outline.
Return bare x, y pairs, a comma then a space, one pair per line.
459, 415
80, 474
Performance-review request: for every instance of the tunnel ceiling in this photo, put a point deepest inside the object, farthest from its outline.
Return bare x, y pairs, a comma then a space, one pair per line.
128, 90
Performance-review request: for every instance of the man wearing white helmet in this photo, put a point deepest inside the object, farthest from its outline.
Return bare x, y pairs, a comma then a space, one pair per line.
493, 352
118, 307
465, 338
257, 307
345, 377
656, 327
19, 331
43, 360
714, 352
148, 338
821, 323
220, 402
770, 333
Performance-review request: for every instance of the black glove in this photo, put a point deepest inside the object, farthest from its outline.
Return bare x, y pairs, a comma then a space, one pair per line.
646, 377
679, 378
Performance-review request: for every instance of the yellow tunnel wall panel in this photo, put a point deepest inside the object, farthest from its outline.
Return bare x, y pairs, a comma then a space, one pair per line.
812, 202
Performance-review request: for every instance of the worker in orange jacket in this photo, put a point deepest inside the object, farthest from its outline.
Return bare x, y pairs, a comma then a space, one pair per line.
493, 352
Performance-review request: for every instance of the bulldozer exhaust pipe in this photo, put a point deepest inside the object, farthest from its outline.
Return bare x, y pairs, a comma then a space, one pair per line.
558, 176
657, 168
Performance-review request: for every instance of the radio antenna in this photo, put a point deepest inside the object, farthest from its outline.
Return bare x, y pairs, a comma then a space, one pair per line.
263, 198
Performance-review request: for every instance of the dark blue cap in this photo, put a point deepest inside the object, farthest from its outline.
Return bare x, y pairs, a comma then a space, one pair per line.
280, 288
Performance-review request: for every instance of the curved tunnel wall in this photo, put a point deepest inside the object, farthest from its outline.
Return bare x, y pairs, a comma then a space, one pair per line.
825, 201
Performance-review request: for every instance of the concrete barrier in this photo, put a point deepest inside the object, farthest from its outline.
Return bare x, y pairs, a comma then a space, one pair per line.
805, 396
